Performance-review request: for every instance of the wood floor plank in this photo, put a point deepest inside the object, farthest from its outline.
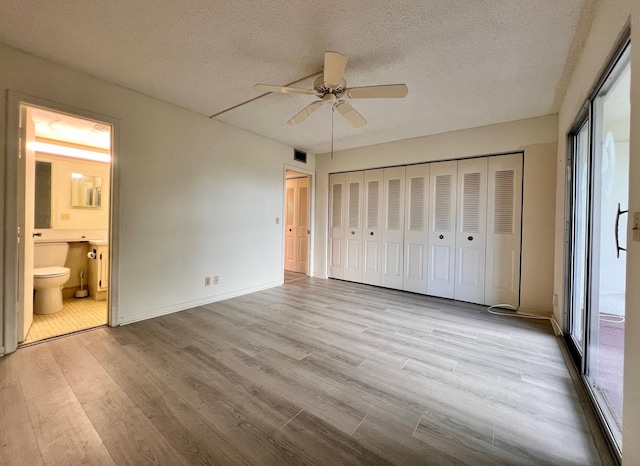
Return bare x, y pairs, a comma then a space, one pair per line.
65, 435
18, 444
128, 434
38, 372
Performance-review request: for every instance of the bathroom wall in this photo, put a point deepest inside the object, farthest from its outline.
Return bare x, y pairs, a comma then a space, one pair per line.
63, 215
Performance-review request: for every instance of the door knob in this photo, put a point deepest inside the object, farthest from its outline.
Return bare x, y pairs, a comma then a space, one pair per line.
470, 238
290, 229
353, 232
371, 233
441, 236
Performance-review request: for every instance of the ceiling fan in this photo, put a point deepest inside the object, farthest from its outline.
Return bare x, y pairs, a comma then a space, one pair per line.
331, 87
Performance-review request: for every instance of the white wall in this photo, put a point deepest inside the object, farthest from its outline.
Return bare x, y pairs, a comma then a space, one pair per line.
610, 20
536, 137
198, 197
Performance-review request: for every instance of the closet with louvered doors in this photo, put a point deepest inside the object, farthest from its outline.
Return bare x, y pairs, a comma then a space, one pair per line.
372, 233
448, 229
415, 233
442, 229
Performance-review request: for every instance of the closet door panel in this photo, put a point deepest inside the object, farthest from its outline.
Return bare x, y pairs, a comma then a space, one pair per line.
393, 232
471, 237
372, 234
289, 226
442, 229
353, 236
302, 225
337, 195
416, 234
504, 228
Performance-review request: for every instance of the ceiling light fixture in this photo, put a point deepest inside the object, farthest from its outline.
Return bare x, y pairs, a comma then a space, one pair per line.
69, 152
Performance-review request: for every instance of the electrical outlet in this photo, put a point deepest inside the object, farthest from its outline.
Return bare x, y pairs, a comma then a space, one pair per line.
277, 220
65, 216
555, 299
207, 281
216, 279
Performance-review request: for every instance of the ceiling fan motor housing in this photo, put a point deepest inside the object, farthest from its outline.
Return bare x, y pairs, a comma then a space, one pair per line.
323, 89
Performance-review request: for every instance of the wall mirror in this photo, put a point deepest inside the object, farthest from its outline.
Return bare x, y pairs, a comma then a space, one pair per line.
86, 190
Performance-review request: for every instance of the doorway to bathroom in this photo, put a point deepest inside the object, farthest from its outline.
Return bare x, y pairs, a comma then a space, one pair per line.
64, 223
297, 224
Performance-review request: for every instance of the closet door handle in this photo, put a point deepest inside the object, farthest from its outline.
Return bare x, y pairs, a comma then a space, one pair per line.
353, 232
470, 238
617, 230
441, 236
371, 233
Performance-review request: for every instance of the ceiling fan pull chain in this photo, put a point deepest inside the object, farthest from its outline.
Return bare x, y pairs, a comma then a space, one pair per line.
333, 109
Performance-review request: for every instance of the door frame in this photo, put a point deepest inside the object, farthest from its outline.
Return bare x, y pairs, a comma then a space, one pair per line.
11, 278
312, 213
587, 115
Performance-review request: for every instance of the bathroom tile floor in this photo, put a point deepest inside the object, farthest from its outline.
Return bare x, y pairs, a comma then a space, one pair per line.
77, 314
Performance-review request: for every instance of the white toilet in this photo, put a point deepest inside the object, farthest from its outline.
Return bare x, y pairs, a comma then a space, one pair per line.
49, 276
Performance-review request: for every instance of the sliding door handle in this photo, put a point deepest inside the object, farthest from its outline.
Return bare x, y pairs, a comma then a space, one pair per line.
618, 214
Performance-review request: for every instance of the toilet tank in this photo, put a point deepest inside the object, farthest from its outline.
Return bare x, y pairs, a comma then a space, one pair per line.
49, 254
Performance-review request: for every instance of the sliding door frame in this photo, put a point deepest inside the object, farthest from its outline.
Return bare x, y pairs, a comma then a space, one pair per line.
587, 116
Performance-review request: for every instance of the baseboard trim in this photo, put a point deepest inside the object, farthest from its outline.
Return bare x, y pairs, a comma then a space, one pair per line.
161, 311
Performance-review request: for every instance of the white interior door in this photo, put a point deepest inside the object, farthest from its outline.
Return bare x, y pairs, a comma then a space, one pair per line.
26, 212
504, 213
290, 226
393, 233
471, 237
442, 229
337, 194
302, 225
372, 234
353, 236
415, 230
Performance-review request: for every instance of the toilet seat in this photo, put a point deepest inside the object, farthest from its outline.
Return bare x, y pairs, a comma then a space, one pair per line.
50, 272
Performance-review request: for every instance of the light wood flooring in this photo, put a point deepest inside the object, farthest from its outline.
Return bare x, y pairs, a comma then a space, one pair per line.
313, 372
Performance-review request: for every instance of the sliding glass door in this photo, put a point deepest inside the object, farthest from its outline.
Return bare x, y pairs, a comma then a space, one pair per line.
596, 237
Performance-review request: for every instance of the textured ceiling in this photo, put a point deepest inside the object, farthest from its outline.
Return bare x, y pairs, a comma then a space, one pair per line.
467, 63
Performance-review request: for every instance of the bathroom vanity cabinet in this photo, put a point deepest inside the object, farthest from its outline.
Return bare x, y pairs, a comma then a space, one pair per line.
99, 270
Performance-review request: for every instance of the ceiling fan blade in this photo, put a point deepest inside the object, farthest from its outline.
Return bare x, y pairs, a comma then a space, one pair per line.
305, 112
283, 90
390, 91
350, 114
334, 66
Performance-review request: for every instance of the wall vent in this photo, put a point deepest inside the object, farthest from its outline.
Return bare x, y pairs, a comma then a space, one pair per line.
299, 156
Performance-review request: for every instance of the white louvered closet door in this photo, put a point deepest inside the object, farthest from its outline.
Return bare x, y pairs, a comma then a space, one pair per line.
415, 232
337, 195
504, 213
372, 232
471, 230
353, 235
442, 229
302, 225
289, 226
393, 233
